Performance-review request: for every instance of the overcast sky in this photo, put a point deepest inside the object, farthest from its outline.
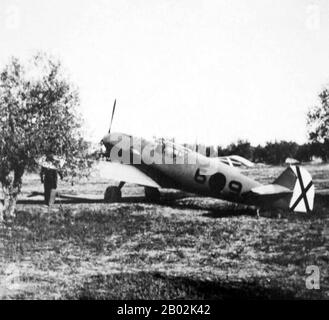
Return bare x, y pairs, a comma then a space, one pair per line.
214, 71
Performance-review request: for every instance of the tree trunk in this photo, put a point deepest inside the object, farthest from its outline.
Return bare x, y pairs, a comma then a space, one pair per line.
1, 211
11, 187
10, 199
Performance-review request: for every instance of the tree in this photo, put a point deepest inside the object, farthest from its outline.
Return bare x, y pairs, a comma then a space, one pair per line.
259, 154
241, 148
304, 152
37, 117
318, 124
277, 152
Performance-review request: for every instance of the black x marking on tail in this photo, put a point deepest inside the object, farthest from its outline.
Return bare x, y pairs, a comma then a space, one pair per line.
303, 190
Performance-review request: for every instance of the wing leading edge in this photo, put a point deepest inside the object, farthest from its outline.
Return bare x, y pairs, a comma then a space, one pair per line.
127, 173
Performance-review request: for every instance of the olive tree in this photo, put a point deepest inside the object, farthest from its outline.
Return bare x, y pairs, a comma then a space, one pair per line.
38, 117
318, 124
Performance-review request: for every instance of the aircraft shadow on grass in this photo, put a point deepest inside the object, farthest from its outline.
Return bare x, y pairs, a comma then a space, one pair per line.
174, 200
178, 200
144, 285
322, 200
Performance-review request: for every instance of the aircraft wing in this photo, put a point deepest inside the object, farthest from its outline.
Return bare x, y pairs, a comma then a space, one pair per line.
127, 173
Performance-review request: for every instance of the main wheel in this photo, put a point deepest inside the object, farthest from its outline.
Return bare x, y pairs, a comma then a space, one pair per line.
152, 194
112, 194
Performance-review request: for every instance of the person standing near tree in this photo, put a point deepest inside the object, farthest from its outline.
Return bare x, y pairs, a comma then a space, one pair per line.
38, 103
49, 179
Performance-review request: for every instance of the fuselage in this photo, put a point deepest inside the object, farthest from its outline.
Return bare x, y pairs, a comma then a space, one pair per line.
180, 167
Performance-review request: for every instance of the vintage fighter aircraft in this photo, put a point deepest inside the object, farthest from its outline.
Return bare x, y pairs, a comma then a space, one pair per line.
163, 164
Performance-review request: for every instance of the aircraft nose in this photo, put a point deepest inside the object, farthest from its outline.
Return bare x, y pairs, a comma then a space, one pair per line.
112, 139
106, 139
107, 144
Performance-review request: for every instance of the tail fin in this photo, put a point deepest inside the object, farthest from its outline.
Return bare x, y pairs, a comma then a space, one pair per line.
300, 182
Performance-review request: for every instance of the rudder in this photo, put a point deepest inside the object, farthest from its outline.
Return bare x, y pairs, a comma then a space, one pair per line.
300, 182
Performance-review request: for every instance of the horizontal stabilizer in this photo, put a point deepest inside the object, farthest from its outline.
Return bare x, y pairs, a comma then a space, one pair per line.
271, 189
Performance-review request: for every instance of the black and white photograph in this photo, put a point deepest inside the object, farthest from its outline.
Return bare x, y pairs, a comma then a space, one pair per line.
164, 150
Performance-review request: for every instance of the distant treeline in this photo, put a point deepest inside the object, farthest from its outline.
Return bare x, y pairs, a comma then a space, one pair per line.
271, 153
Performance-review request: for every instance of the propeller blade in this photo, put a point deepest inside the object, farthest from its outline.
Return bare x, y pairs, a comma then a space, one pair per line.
113, 109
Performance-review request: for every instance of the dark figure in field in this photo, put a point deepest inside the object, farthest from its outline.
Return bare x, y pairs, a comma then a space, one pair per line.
49, 180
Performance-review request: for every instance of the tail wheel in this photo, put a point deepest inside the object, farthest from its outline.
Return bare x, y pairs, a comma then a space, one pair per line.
112, 194
152, 194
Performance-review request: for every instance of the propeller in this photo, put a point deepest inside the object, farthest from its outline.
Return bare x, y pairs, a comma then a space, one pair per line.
102, 141
113, 110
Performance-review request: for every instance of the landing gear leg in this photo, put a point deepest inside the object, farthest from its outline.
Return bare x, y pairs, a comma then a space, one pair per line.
113, 194
152, 194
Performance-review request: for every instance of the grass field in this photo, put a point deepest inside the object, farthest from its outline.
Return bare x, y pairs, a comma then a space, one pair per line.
184, 247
